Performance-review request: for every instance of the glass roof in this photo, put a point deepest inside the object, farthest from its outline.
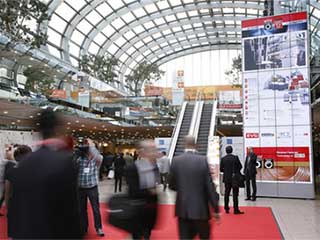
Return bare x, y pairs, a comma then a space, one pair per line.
152, 30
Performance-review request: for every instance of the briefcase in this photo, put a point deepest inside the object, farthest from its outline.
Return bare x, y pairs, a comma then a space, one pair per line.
126, 212
238, 180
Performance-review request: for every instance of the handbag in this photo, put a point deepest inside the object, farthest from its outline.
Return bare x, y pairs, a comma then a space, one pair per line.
126, 212
237, 179
111, 174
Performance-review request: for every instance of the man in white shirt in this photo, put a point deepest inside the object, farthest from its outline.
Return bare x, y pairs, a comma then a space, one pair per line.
164, 167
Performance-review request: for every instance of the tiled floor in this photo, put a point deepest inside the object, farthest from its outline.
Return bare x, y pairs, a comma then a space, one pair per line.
298, 219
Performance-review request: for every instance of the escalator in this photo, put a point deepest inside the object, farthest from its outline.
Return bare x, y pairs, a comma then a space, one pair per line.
204, 128
184, 129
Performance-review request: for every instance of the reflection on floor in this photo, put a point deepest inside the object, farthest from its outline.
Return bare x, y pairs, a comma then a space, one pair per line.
298, 219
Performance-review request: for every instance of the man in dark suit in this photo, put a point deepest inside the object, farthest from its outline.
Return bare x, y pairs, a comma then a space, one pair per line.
45, 195
250, 171
229, 166
190, 177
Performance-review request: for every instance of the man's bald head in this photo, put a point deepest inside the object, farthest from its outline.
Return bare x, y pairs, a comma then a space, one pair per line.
190, 142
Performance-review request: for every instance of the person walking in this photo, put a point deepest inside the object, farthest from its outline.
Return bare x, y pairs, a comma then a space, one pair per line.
4, 163
45, 187
230, 166
89, 162
128, 159
119, 165
191, 179
20, 152
141, 177
164, 167
250, 172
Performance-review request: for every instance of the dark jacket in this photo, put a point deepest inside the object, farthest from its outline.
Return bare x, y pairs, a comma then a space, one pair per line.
119, 165
190, 177
250, 169
149, 216
45, 199
230, 164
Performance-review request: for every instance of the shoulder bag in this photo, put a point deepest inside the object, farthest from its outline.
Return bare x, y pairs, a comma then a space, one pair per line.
237, 178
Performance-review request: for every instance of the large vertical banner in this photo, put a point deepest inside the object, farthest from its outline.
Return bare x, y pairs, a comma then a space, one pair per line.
178, 88
277, 103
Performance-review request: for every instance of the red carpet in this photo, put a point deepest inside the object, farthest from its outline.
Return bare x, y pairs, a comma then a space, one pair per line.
257, 223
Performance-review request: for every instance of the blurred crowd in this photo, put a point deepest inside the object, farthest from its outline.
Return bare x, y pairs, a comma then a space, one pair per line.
46, 187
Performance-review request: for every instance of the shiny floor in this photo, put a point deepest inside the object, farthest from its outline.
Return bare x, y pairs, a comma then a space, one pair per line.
298, 219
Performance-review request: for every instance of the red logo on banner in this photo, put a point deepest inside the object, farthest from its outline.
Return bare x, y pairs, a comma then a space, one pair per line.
278, 23
252, 135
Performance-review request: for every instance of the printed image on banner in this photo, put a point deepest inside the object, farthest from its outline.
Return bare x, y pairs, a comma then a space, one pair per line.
276, 96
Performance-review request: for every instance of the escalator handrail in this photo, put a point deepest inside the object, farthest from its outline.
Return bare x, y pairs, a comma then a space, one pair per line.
176, 130
213, 118
196, 127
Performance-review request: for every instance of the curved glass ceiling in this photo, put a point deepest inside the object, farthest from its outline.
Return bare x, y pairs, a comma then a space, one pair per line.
152, 30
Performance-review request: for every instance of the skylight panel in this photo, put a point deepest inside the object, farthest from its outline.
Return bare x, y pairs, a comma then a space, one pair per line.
175, 2
93, 17
177, 29
155, 48
139, 58
54, 37
149, 25
128, 17
181, 15
252, 11
54, 51
227, 10
123, 57
57, 23
139, 12
164, 44
130, 51
112, 49
229, 22
118, 23
157, 35
151, 8
120, 41
74, 61
128, 35
170, 18
77, 37
166, 32
84, 26
316, 13
117, 4
108, 30
147, 39
138, 29
104, 9
65, 11
240, 10
147, 52
193, 13
188, 26
163, 5
74, 49
139, 44
159, 21
100, 38
77, 5
94, 48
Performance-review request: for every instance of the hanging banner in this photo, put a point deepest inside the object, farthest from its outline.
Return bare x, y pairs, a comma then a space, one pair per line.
178, 88
277, 102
